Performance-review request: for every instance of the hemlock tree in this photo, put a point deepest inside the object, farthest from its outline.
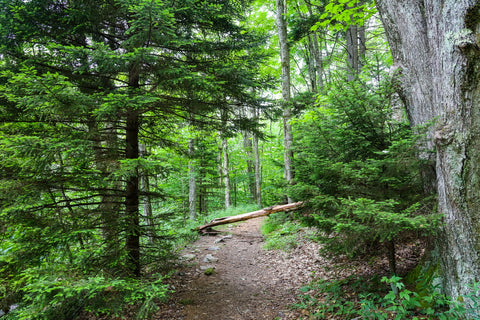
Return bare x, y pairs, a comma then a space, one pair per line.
83, 83
435, 45
358, 171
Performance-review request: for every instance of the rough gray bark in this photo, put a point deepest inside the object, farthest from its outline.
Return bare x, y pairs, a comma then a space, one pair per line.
352, 52
435, 44
286, 94
356, 50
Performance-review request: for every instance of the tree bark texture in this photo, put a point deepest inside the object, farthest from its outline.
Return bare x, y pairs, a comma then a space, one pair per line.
435, 44
132, 197
352, 52
132, 194
286, 95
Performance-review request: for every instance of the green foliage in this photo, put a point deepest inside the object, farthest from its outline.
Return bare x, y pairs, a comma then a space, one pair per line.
209, 271
365, 221
359, 170
50, 293
336, 299
402, 303
280, 232
359, 298
82, 83
339, 14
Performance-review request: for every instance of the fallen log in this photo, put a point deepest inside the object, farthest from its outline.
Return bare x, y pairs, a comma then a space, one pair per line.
249, 215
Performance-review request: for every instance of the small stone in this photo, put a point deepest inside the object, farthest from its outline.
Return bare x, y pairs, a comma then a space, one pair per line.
214, 248
188, 256
210, 258
203, 268
222, 239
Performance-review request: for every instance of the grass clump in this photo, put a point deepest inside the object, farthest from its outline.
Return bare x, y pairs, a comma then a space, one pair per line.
280, 232
209, 271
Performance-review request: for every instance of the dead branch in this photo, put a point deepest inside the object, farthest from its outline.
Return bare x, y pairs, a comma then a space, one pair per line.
249, 215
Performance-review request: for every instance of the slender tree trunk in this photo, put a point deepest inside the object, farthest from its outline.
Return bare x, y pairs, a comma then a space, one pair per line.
287, 111
316, 53
226, 173
362, 47
258, 171
192, 183
248, 147
132, 191
147, 202
202, 192
391, 253
310, 60
352, 52
436, 52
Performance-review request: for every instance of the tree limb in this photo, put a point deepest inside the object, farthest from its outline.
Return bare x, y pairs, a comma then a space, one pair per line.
249, 215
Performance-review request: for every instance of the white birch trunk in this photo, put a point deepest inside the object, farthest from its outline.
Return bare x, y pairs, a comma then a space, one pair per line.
436, 52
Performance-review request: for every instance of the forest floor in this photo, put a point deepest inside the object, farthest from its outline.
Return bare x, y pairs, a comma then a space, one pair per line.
248, 282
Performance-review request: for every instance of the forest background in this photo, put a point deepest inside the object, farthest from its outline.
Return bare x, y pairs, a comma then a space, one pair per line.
125, 123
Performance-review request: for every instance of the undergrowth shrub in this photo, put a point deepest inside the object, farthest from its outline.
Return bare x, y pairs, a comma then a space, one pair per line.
280, 232
62, 296
356, 298
357, 167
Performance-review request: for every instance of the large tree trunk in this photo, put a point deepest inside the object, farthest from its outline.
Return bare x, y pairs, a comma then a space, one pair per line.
436, 53
287, 111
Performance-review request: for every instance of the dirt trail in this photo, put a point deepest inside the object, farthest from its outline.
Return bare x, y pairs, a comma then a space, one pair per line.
248, 282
